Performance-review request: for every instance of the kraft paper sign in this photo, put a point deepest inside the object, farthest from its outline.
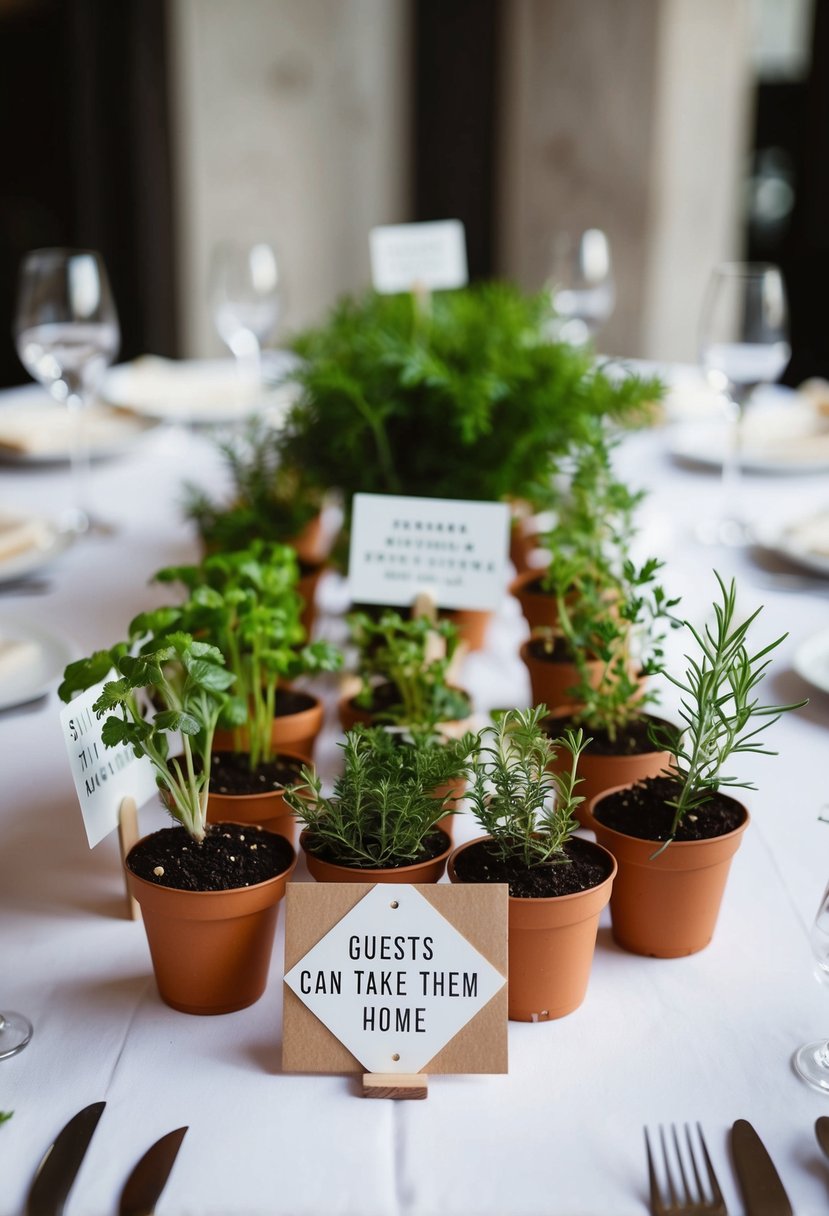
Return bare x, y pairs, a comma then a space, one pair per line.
429, 256
102, 775
451, 549
392, 978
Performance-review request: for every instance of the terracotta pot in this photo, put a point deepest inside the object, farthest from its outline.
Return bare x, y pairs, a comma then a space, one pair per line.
667, 906
210, 950
540, 608
551, 946
523, 542
457, 790
422, 871
269, 810
307, 544
601, 772
551, 681
471, 624
292, 733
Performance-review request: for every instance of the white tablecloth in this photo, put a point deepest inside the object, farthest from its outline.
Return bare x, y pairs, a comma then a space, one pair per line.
705, 1038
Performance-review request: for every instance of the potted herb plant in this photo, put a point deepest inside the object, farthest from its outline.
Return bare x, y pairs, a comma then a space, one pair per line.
402, 667
558, 883
469, 401
674, 835
269, 501
382, 822
245, 604
209, 894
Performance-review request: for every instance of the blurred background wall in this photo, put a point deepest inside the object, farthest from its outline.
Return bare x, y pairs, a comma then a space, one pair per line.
689, 130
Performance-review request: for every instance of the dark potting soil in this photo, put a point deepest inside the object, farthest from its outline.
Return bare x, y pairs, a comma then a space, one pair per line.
633, 740
539, 648
434, 844
585, 867
641, 811
536, 587
383, 697
230, 773
231, 855
292, 701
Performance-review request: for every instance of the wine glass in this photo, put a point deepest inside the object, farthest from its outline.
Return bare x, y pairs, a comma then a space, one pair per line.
245, 299
66, 332
743, 344
581, 286
15, 1032
811, 1061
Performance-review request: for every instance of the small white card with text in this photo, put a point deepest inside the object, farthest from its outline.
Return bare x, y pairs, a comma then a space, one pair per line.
102, 775
430, 255
394, 980
450, 549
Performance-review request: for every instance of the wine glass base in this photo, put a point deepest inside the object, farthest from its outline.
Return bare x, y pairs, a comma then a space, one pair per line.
811, 1063
729, 533
15, 1032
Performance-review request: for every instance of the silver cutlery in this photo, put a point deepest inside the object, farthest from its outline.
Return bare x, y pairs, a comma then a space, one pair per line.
149, 1177
61, 1162
684, 1192
763, 1192
26, 586
822, 1133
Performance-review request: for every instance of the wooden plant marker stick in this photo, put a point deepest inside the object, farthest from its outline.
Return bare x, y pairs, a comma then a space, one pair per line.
397, 1085
127, 837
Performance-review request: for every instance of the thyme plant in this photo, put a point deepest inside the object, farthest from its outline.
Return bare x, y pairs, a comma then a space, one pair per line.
722, 715
385, 803
525, 807
404, 654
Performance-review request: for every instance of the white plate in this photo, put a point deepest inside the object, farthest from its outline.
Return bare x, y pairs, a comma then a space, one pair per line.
41, 666
795, 541
200, 391
782, 434
46, 542
811, 660
34, 429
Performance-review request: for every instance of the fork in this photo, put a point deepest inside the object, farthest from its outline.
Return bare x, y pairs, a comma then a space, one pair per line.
693, 1201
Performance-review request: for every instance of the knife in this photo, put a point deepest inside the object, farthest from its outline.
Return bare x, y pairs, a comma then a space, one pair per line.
61, 1162
146, 1182
759, 1181
822, 1133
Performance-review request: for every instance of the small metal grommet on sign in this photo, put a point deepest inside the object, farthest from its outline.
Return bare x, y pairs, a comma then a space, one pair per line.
394, 904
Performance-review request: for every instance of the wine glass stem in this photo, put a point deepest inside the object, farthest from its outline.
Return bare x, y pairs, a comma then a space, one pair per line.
732, 469
80, 462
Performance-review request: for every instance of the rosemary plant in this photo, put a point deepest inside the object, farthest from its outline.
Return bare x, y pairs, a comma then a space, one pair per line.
722, 715
413, 656
525, 807
385, 803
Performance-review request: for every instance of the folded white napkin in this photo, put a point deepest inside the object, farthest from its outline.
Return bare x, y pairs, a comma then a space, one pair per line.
15, 656
184, 388
19, 534
43, 429
811, 535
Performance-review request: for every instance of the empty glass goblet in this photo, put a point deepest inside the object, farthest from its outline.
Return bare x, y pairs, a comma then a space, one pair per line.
581, 285
245, 298
812, 1060
15, 1032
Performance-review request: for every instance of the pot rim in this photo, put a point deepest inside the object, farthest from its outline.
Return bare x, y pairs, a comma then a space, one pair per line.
674, 844
282, 876
545, 899
415, 865
562, 711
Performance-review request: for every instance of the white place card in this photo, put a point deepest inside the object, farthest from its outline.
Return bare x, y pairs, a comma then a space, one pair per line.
450, 549
102, 775
394, 980
409, 256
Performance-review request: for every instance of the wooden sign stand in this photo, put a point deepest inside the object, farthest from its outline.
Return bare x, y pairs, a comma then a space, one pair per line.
398, 1085
127, 837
